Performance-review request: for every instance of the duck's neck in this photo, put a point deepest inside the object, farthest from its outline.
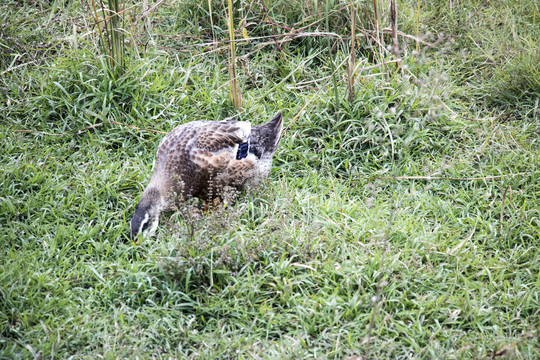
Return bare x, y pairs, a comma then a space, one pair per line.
152, 196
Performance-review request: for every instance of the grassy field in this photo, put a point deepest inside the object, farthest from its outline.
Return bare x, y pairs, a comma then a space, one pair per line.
401, 219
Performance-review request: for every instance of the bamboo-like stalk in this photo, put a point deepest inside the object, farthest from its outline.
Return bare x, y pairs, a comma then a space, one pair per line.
108, 46
116, 38
113, 40
237, 102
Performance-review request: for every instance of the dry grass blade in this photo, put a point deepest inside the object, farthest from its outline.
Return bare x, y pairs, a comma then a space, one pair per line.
98, 21
146, 12
409, 36
417, 25
137, 128
371, 67
463, 242
98, 24
211, 20
17, 67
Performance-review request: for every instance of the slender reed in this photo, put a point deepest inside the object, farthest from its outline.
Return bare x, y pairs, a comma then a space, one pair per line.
377, 36
211, 20
393, 17
352, 65
237, 101
332, 65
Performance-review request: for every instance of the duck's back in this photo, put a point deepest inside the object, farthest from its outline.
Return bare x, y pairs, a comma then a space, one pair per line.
192, 153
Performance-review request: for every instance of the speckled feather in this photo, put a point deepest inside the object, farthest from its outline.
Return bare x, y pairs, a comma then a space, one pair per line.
198, 159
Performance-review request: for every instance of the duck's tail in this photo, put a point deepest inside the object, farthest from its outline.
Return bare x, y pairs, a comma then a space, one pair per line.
267, 136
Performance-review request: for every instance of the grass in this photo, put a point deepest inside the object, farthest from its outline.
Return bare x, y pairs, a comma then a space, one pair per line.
333, 257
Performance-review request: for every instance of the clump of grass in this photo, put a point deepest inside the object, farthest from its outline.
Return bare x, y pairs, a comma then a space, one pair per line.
488, 50
204, 253
111, 33
517, 81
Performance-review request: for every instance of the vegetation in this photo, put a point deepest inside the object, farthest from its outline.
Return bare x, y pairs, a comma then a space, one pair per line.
401, 220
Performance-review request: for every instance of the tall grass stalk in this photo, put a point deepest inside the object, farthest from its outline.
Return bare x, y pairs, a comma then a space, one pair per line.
417, 25
352, 62
393, 17
377, 36
98, 24
237, 101
211, 20
332, 65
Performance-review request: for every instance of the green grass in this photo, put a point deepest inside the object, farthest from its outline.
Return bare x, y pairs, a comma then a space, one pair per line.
446, 268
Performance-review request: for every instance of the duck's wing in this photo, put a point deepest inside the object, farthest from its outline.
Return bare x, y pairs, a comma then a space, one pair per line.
236, 172
198, 147
217, 148
223, 136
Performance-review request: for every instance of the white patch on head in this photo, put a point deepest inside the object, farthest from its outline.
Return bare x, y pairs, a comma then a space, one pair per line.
150, 232
143, 223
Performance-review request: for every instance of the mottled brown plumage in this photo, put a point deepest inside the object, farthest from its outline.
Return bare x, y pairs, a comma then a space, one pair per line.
199, 159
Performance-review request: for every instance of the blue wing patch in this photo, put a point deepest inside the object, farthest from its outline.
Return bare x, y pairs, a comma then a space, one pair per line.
242, 151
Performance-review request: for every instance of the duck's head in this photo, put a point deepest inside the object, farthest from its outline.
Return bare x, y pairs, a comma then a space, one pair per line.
146, 217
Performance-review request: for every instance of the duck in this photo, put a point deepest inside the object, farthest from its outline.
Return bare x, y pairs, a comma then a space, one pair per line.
203, 159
